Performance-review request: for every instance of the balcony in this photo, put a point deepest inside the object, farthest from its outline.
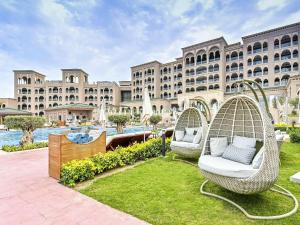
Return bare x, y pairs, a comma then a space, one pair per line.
190, 64
285, 45
257, 62
256, 50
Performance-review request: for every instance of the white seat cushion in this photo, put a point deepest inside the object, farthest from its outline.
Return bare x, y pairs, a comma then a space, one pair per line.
182, 144
225, 167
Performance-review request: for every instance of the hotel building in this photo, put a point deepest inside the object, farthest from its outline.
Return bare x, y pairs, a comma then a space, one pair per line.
206, 70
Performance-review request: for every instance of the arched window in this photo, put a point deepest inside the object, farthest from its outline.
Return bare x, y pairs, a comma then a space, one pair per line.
217, 55
227, 58
286, 54
227, 88
241, 55
284, 80
295, 39
234, 66
249, 61
249, 73
257, 60
265, 71
276, 57
257, 71
257, 47
211, 68
266, 83
216, 67
265, 46
227, 78
285, 41
265, 59
234, 77
295, 53
277, 82
211, 57
276, 69
241, 66
234, 55
276, 43
286, 67
227, 68
249, 49
295, 66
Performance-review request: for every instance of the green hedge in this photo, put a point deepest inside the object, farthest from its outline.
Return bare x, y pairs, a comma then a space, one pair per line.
294, 136
81, 170
16, 148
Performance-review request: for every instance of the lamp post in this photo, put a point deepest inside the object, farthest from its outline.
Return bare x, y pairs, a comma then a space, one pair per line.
163, 142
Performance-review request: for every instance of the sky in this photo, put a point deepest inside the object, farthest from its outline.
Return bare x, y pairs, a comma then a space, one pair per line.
106, 37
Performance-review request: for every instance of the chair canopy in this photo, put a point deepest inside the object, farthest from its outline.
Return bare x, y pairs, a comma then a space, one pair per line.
189, 118
243, 116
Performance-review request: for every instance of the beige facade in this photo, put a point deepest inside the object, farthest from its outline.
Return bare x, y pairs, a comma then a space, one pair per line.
8, 103
205, 70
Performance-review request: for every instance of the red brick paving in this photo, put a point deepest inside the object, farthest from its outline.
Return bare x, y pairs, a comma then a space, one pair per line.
29, 196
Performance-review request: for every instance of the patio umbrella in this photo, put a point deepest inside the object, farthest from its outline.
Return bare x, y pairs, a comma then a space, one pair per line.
147, 109
102, 115
174, 112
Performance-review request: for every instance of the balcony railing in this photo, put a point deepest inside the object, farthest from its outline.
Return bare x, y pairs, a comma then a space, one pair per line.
286, 45
256, 50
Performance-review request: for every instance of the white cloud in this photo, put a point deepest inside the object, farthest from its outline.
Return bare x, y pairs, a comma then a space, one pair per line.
268, 4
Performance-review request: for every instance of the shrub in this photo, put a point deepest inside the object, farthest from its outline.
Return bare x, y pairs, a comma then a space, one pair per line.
81, 170
15, 148
294, 137
27, 124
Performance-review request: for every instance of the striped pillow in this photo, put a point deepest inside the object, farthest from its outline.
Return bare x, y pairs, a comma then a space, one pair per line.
241, 155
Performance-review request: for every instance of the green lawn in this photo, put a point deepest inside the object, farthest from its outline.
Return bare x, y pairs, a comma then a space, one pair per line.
163, 191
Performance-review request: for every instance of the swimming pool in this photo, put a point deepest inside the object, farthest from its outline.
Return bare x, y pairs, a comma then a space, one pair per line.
14, 137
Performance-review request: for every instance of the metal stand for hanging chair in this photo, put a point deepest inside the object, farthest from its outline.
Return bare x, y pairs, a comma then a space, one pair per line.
191, 117
246, 118
250, 216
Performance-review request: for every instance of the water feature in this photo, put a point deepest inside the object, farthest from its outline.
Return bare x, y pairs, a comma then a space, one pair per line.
14, 137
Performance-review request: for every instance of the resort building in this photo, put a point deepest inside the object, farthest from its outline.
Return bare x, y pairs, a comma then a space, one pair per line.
206, 70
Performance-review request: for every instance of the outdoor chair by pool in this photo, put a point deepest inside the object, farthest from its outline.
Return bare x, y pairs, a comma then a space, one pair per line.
189, 133
240, 152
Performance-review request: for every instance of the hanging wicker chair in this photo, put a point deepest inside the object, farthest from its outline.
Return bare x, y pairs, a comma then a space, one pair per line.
189, 118
242, 116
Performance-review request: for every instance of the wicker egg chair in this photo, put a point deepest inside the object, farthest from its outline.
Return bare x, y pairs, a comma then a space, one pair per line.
189, 118
242, 116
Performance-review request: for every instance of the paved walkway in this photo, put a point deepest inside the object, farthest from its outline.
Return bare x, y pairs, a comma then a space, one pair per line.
29, 196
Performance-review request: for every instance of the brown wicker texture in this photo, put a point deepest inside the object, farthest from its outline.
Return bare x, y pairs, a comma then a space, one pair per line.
191, 117
242, 116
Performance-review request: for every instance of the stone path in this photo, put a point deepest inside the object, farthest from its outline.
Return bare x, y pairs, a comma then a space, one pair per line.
29, 196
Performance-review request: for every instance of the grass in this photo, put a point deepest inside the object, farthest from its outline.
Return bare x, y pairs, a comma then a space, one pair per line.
163, 191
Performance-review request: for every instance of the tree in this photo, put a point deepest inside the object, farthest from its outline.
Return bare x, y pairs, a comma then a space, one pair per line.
294, 102
155, 119
27, 124
120, 120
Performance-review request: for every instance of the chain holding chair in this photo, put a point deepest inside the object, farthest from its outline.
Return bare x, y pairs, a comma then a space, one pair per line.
243, 116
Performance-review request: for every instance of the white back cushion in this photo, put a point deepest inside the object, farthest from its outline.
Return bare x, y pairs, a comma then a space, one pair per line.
179, 134
217, 145
188, 138
244, 142
198, 136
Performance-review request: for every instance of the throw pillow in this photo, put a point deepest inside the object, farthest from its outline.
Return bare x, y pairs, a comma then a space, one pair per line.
217, 145
190, 130
179, 134
241, 155
198, 136
244, 142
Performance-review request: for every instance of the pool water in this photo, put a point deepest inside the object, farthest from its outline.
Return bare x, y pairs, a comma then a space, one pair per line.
14, 137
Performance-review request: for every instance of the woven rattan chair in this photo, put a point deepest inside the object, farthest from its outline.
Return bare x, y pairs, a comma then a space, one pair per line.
242, 116
191, 117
